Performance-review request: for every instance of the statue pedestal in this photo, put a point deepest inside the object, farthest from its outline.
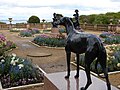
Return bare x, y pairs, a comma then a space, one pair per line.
56, 81
54, 32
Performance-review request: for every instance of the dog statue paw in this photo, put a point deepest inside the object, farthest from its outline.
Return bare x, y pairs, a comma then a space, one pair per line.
76, 76
82, 88
66, 77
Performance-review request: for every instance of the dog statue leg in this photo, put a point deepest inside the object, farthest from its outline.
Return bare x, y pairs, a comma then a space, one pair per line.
68, 64
77, 74
87, 70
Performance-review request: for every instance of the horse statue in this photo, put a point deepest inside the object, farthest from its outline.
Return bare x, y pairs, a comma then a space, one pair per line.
81, 42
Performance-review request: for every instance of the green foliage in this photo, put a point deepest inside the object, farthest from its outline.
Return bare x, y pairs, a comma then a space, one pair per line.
106, 35
101, 18
34, 19
25, 33
44, 40
29, 33
112, 40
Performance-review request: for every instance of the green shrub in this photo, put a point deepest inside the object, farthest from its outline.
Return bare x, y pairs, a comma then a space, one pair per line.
112, 40
29, 33
44, 40
25, 33
106, 35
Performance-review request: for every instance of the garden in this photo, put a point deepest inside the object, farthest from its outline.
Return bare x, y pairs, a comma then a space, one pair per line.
50, 64
16, 70
111, 42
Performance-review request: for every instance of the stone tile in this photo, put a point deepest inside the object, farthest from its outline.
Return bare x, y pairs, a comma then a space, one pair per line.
56, 81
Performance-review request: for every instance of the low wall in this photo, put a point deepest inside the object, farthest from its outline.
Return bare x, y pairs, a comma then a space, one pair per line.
40, 26
99, 27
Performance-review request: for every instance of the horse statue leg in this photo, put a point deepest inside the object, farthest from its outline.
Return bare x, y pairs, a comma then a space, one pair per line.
77, 74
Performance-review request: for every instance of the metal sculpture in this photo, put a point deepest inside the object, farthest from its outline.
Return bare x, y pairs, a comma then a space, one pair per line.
76, 23
54, 19
81, 42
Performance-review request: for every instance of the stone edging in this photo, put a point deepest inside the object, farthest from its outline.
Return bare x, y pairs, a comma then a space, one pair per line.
59, 48
25, 86
114, 72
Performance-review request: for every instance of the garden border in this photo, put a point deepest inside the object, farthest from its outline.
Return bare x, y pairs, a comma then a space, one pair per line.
59, 48
26, 86
114, 72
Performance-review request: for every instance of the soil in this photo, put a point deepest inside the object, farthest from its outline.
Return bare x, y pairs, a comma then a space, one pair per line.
50, 64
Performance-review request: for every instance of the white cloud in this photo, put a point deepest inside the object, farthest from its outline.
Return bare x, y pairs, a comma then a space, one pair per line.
23, 9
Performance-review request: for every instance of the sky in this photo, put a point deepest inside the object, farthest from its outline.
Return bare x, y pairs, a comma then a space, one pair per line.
44, 9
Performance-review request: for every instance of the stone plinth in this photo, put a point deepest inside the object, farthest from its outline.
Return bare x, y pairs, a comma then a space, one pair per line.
55, 30
56, 81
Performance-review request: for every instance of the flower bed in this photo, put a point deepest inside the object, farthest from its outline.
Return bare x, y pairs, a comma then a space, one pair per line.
44, 40
29, 33
17, 71
110, 38
113, 59
5, 45
106, 34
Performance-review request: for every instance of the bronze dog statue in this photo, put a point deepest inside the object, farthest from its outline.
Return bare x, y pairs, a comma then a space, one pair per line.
80, 42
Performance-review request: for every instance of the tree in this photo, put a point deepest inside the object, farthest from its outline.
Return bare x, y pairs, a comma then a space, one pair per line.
101, 19
34, 19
